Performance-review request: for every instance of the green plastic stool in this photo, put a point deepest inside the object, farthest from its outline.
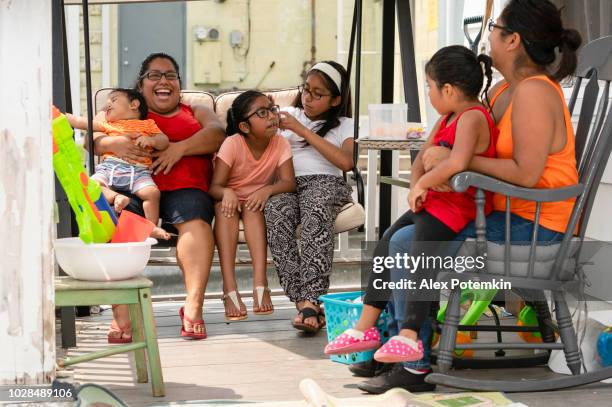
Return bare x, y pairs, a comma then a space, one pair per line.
135, 292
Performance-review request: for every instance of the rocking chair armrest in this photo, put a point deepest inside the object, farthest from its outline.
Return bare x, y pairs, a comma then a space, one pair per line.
462, 181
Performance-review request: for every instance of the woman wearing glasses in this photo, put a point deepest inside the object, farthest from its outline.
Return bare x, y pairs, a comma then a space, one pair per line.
535, 146
253, 164
182, 172
320, 131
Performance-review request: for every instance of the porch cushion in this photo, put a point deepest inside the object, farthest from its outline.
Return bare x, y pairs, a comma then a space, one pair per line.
282, 97
189, 97
519, 254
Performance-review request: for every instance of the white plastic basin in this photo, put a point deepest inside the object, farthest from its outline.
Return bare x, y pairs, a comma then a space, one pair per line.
102, 261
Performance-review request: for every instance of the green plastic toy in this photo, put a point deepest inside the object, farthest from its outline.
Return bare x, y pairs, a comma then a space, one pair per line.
480, 301
95, 218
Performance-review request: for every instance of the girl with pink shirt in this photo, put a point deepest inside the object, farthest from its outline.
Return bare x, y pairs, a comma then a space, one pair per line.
251, 166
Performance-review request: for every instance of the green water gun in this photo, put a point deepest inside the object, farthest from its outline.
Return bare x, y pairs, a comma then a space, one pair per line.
95, 217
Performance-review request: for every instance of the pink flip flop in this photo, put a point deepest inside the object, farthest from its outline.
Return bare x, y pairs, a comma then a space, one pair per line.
353, 340
399, 349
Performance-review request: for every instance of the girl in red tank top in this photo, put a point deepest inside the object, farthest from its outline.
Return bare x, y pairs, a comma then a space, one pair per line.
455, 79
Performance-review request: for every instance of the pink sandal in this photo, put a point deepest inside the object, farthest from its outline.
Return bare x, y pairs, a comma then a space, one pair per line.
399, 349
353, 340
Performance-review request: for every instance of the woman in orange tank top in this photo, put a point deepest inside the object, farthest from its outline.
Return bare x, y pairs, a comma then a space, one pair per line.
535, 148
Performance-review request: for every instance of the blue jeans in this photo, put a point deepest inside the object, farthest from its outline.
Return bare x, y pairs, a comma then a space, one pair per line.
400, 243
520, 231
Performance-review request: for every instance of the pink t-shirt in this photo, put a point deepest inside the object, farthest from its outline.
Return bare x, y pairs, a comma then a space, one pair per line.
247, 174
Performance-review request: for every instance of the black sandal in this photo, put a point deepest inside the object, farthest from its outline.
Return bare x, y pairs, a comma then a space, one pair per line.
306, 313
321, 319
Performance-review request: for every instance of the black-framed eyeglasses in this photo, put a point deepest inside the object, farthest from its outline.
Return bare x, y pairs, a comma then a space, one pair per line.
263, 112
313, 94
492, 25
157, 75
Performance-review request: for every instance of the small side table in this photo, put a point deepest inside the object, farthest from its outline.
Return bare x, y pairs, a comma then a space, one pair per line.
389, 152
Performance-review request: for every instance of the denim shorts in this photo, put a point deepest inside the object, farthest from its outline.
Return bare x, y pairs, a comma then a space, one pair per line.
123, 177
179, 206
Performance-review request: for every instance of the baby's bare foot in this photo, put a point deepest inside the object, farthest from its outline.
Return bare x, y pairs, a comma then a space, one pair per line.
159, 233
121, 201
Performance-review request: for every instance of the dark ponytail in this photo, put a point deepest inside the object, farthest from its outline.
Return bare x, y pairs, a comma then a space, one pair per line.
460, 67
541, 29
570, 42
487, 63
239, 111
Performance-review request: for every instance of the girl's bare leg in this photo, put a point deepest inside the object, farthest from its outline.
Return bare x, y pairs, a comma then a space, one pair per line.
255, 234
368, 318
121, 313
121, 322
226, 236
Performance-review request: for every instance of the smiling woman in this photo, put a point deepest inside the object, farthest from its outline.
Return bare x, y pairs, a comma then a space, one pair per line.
182, 172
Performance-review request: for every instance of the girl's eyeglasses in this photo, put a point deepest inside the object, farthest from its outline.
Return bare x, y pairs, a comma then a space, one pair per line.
263, 112
492, 25
157, 75
313, 94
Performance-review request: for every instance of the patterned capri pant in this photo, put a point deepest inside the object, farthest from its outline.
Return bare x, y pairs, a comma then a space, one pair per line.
304, 267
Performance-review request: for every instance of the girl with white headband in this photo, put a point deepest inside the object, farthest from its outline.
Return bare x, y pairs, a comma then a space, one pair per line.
320, 130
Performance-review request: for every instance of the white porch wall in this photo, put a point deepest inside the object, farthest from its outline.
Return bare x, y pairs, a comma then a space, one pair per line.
600, 228
27, 330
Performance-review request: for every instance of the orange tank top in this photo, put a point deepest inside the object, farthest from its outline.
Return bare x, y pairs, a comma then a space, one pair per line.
560, 170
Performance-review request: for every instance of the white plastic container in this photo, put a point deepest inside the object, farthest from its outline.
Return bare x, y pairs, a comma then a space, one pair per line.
102, 261
388, 121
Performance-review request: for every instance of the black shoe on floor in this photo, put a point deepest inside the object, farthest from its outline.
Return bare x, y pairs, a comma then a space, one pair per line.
370, 368
397, 377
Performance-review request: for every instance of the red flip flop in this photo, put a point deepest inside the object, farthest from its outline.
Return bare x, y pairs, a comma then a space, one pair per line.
194, 324
120, 339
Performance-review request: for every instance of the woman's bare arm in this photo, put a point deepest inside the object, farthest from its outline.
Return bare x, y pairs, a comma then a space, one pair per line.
533, 134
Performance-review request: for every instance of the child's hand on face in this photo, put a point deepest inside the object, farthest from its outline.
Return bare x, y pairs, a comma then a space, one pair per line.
416, 197
288, 122
144, 141
230, 203
257, 201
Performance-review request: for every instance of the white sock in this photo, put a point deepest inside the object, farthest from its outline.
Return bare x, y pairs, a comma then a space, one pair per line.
414, 371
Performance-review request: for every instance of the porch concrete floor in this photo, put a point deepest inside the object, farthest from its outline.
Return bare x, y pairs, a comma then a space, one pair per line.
260, 359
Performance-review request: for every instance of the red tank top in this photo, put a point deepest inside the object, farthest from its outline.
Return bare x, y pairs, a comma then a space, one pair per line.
192, 171
457, 209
